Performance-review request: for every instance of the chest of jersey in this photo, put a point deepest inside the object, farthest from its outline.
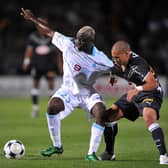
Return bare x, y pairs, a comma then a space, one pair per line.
83, 67
132, 74
136, 70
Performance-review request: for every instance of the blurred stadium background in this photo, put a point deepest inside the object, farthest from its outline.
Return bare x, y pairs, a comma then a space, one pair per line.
143, 23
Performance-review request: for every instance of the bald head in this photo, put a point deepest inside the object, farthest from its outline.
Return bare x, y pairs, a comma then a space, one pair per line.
121, 46
121, 52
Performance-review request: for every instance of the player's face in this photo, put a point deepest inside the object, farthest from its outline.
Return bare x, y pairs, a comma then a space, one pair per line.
78, 44
120, 57
84, 38
83, 46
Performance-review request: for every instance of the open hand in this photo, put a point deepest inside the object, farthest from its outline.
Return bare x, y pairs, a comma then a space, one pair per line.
27, 14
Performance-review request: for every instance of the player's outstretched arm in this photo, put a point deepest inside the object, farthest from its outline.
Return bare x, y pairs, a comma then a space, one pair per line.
28, 15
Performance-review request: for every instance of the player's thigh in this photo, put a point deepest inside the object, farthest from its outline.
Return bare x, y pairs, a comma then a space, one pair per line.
90, 101
151, 105
70, 101
149, 115
129, 110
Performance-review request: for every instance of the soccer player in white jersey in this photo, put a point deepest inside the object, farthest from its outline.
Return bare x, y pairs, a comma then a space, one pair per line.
83, 63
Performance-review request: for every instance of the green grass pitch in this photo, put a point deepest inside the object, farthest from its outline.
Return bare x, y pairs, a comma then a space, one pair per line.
134, 145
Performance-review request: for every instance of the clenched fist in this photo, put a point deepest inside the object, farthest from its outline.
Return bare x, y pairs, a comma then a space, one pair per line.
27, 14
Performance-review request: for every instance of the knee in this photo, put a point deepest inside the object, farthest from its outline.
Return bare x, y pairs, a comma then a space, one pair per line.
112, 114
148, 121
149, 116
55, 106
98, 112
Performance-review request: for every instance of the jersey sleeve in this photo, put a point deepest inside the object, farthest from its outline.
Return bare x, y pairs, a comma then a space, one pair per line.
60, 41
116, 70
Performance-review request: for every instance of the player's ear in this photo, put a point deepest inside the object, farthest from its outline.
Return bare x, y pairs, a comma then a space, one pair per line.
128, 52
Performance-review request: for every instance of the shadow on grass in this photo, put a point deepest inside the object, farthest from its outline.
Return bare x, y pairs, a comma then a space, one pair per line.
67, 158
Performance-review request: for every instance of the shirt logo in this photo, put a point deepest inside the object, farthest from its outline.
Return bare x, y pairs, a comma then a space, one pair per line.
42, 50
148, 101
77, 67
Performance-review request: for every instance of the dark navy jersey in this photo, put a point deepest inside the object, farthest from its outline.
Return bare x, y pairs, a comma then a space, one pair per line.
44, 53
136, 70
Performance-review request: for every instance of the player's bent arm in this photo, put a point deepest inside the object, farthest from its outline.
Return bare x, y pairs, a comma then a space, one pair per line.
150, 83
46, 30
28, 15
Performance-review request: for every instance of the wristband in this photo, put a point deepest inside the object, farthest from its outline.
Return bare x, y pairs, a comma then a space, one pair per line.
139, 88
26, 61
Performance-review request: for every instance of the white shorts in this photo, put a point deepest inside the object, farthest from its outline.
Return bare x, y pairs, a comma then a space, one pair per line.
86, 102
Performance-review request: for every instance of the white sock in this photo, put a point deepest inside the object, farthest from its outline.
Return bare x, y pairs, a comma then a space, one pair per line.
153, 127
54, 127
96, 135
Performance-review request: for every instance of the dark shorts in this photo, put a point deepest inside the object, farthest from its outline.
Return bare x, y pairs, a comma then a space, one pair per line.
132, 110
37, 74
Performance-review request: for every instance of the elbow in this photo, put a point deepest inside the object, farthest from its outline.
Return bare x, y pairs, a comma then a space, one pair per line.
152, 85
50, 34
156, 84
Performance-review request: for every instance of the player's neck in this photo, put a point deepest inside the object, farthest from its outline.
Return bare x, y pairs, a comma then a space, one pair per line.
88, 49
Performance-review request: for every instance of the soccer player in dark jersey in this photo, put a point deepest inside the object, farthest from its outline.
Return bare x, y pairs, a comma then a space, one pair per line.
144, 100
42, 57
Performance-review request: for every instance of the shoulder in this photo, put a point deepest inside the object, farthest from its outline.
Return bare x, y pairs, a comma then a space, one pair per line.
58, 35
97, 52
100, 57
33, 37
61, 38
33, 34
137, 59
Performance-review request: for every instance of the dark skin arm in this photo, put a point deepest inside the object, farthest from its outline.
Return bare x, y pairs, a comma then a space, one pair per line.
45, 29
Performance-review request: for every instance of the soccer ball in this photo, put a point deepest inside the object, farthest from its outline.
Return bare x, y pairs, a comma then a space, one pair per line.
14, 149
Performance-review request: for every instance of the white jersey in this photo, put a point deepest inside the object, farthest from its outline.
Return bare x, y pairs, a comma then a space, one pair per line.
80, 69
